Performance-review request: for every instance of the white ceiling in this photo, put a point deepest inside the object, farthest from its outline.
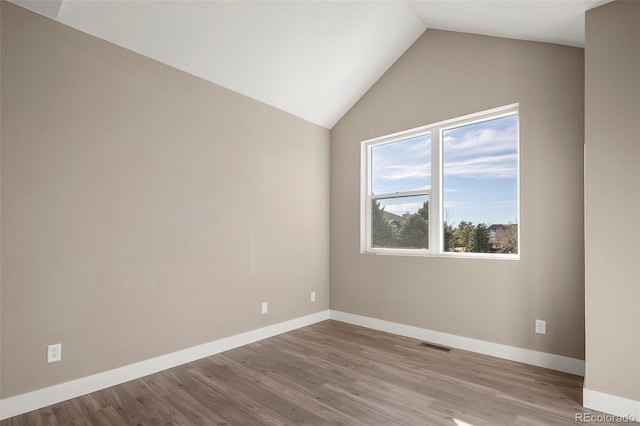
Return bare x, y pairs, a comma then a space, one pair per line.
313, 59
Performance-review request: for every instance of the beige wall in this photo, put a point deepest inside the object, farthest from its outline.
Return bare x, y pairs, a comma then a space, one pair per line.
446, 75
1, 1
612, 131
144, 210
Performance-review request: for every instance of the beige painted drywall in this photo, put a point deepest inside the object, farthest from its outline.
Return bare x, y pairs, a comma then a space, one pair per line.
1, 1
446, 75
144, 210
612, 208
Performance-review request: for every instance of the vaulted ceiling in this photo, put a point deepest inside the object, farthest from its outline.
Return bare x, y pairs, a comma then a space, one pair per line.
313, 59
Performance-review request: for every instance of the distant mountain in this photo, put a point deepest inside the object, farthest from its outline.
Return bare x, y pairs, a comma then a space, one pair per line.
390, 217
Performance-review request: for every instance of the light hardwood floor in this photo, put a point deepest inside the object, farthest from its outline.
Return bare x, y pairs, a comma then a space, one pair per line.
331, 373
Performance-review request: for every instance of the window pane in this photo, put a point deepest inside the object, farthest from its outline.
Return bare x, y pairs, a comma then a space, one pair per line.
480, 186
401, 222
401, 166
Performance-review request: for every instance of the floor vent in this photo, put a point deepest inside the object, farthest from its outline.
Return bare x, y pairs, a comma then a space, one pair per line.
432, 346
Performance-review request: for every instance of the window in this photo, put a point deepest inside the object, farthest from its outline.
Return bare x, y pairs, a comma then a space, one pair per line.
447, 189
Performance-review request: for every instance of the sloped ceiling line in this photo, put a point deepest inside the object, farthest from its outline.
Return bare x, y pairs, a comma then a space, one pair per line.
313, 59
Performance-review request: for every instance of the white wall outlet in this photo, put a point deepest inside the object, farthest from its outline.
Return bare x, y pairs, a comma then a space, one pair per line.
265, 307
313, 296
54, 352
541, 327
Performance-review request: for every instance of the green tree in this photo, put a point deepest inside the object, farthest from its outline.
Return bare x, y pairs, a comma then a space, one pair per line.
381, 232
449, 240
414, 232
480, 240
424, 211
463, 236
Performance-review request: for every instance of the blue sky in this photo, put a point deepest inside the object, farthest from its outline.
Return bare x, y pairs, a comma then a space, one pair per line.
480, 172
402, 166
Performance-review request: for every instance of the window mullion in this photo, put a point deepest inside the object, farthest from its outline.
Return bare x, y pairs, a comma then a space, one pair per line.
435, 198
365, 200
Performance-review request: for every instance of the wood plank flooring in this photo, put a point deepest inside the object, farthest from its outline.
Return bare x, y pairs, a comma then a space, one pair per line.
331, 373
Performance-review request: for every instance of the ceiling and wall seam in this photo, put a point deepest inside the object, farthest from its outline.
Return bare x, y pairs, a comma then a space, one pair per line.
340, 49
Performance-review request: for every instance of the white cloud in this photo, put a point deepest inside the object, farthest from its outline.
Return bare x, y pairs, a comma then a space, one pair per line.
403, 160
499, 166
398, 172
480, 142
422, 148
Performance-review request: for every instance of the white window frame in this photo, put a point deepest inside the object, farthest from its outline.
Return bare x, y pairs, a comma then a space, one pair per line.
434, 193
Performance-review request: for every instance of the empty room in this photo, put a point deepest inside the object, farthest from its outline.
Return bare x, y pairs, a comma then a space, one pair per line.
319, 212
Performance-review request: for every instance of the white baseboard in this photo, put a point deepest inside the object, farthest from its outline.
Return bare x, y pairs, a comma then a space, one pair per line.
526, 356
40, 398
627, 409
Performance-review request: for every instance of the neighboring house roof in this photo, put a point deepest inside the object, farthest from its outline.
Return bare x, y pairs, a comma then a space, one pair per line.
497, 226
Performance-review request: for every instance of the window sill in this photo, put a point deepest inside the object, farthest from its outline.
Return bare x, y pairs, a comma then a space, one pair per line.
445, 255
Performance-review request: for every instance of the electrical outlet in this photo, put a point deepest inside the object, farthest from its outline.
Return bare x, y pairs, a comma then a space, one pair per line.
54, 352
541, 327
313, 296
265, 307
